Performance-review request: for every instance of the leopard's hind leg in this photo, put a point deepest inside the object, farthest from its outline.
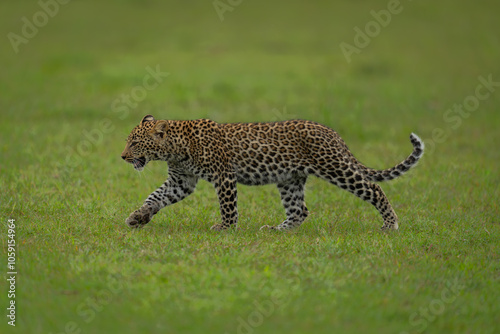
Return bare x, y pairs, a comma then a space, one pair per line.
292, 198
347, 177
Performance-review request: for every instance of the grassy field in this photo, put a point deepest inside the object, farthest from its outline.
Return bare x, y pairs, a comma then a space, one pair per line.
76, 83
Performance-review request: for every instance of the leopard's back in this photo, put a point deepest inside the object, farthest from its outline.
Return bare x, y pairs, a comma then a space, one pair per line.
263, 153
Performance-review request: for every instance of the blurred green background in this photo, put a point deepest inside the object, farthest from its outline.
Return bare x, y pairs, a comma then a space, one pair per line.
64, 121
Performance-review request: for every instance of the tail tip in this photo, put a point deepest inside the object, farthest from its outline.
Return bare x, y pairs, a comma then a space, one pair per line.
416, 141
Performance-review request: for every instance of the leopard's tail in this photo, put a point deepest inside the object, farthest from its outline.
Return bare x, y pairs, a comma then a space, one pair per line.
401, 168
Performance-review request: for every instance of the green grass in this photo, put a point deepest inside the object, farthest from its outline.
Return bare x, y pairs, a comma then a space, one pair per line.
82, 270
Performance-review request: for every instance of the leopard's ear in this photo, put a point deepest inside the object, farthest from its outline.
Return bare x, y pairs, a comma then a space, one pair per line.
159, 131
147, 118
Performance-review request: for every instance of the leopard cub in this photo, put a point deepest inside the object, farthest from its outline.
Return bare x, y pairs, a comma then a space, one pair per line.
284, 153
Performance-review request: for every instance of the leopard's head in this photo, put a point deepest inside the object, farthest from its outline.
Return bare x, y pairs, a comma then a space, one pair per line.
143, 142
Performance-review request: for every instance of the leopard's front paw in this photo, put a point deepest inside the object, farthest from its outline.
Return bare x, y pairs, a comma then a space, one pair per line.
139, 218
217, 227
268, 227
221, 227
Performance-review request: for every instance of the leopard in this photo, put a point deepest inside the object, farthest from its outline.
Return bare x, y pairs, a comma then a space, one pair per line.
284, 153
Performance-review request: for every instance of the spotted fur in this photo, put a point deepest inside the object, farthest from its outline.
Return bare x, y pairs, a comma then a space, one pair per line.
284, 153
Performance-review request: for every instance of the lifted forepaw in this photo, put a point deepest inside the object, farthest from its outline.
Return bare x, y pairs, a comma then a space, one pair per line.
138, 218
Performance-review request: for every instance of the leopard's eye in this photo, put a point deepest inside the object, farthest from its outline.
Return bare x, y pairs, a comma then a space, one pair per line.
133, 144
